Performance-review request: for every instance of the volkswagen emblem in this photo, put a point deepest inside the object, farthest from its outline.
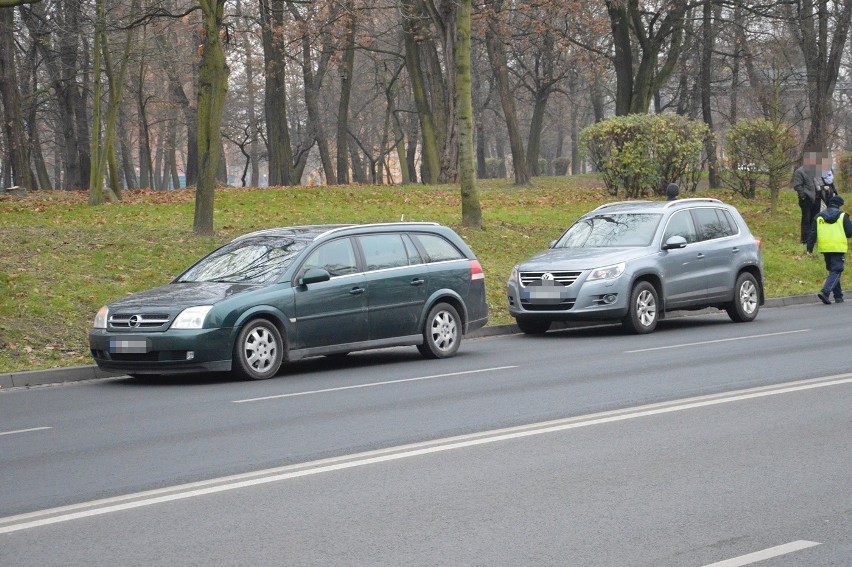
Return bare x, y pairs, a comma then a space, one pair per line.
133, 321
547, 277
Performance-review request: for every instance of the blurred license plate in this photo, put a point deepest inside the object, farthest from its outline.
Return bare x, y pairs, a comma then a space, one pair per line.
544, 295
129, 346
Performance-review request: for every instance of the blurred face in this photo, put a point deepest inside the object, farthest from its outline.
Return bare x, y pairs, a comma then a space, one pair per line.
811, 158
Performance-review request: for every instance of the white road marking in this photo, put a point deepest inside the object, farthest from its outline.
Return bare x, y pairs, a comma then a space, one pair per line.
372, 384
765, 554
223, 484
719, 341
24, 430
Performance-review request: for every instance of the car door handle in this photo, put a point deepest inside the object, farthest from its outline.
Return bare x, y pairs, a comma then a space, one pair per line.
700, 256
418, 281
735, 249
356, 291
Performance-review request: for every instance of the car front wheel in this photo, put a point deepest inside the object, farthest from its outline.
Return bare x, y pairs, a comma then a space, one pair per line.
643, 310
746, 299
259, 351
441, 332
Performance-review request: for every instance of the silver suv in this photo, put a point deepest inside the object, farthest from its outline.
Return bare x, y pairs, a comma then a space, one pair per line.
637, 260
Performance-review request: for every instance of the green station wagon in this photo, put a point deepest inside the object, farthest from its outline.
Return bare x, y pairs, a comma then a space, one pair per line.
283, 294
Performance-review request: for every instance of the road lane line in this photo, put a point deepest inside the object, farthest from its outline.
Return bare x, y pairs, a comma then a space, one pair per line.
765, 554
719, 341
180, 492
24, 430
372, 384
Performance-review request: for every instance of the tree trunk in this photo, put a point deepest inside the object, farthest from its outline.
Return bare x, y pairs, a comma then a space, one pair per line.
500, 69
536, 126
212, 89
14, 119
253, 154
471, 211
431, 158
346, 69
280, 152
709, 40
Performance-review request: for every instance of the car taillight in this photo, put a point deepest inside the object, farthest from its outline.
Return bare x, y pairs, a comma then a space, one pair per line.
476, 272
759, 244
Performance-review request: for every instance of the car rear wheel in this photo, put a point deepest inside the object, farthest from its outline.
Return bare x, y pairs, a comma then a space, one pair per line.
442, 332
642, 312
532, 326
259, 351
746, 299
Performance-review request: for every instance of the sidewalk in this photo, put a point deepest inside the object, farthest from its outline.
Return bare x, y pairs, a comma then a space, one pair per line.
92, 372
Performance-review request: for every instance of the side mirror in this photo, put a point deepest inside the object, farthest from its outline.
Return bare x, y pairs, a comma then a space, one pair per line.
314, 275
675, 242
552, 243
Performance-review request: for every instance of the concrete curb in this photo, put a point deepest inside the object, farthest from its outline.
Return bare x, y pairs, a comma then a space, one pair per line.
92, 372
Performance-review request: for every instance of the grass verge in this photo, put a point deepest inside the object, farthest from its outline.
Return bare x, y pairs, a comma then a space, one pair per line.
62, 259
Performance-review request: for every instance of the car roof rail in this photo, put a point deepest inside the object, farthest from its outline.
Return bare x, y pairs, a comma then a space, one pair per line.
375, 224
605, 205
693, 200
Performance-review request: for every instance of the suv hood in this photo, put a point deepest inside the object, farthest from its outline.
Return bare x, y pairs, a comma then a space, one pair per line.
581, 258
178, 296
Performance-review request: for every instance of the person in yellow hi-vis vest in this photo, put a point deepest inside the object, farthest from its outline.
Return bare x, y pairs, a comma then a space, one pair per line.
829, 231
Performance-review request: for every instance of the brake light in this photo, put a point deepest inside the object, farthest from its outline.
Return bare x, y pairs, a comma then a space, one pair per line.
476, 272
759, 244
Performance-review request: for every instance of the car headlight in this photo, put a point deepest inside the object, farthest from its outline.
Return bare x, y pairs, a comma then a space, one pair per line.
514, 276
101, 318
607, 272
191, 317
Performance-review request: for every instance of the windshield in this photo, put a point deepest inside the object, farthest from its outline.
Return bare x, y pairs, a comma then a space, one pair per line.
252, 260
607, 230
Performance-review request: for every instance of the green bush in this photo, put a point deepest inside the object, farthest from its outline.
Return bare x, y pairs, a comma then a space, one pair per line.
643, 153
561, 165
843, 172
759, 153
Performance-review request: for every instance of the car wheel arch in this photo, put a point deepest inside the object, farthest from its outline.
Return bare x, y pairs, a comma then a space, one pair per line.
446, 296
657, 281
270, 314
755, 272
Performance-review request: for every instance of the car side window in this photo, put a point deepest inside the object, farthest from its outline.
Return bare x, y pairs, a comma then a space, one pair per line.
413, 255
711, 224
337, 258
731, 222
438, 249
680, 224
382, 251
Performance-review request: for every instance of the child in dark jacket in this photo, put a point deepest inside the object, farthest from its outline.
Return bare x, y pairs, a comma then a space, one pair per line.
829, 232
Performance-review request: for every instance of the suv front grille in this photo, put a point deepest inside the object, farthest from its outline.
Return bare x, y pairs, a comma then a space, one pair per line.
151, 321
564, 305
562, 278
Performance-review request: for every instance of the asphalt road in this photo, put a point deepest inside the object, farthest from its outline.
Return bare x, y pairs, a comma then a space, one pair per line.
680, 483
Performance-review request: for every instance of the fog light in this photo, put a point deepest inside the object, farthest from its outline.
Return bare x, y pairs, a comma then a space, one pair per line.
190, 354
609, 298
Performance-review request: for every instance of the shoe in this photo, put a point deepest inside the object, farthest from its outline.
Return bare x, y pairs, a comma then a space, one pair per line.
838, 300
824, 298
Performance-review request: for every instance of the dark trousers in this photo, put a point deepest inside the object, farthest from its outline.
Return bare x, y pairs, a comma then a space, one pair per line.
810, 209
834, 262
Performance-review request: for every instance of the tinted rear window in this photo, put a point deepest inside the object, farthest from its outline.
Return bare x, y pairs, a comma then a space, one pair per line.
438, 249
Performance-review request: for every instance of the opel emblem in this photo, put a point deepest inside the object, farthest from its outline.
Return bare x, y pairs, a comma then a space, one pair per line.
547, 277
133, 321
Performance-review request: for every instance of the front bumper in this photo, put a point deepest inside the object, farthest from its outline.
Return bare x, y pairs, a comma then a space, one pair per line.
163, 353
582, 300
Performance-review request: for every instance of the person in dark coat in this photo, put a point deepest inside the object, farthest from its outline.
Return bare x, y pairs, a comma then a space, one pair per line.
829, 232
827, 189
672, 191
805, 184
